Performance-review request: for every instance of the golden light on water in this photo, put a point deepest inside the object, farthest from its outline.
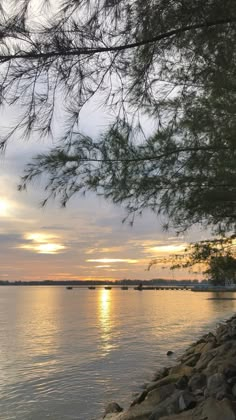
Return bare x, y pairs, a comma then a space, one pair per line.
104, 316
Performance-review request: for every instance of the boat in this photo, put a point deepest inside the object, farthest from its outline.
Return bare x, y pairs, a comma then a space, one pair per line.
124, 288
139, 287
92, 287
69, 287
107, 288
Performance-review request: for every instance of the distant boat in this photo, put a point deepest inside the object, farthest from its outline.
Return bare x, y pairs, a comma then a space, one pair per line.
139, 287
124, 288
107, 288
91, 287
69, 287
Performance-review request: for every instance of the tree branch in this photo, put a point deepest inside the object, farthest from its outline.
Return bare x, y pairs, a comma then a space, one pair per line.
86, 51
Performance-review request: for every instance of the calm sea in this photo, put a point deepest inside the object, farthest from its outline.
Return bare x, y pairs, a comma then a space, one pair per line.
64, 354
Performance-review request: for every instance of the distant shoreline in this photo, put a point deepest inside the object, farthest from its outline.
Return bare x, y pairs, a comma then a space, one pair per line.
125, 282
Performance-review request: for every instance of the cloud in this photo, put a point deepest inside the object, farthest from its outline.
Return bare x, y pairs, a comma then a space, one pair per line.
114, 260
42, 243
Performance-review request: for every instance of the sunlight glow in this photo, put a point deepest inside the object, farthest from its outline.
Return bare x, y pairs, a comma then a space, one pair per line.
39, 237
113, 260
104, 316
44, 248
167, 249
4, 208
42, 243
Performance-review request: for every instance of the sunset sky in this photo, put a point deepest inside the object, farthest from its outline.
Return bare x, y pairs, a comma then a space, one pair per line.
87, 240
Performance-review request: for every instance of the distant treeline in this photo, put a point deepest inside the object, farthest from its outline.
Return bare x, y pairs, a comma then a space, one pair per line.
97, 282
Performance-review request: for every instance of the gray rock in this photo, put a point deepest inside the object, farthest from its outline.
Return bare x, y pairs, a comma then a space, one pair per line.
161, 374
234, 390
223, 393
182, 382
216, 383
186, 401
172, 378
232, 381
219, 410
112, 407
230, 371
192, 360
141, 397
199, 392
197, 381
204, 360
166, 408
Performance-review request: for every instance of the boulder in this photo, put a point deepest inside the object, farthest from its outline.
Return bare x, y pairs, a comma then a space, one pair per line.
193, 359
181, 370
182, 382
155, 398
187, 401
230, 371
170, 379
197, 381
166, 407
232, 381
169, 353
216, 383
219, 410
204, 360
112, 407
141, 397
234, 390
161, 374
158, 395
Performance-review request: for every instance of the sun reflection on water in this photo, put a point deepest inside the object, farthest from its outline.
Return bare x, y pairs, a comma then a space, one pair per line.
105, 321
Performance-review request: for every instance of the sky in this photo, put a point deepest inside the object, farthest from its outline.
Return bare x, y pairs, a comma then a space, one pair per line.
86, 240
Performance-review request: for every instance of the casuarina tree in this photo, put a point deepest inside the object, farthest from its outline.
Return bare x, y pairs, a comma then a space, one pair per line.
172, 61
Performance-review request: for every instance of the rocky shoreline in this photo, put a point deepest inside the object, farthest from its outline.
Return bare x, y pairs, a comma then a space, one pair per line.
201, 386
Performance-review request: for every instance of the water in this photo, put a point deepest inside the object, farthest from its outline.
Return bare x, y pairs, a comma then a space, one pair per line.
65, 354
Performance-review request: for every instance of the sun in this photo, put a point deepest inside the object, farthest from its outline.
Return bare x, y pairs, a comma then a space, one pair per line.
4, 208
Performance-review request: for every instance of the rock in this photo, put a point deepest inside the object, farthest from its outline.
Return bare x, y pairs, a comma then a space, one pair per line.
209, 337
199, 347
172, 378
192, 360
158, 395
185, 415
232, 381
167, 407
169, 353
182, 382
181, 370
112, 407
216, 383
204, 360
223, 393
219, 410
234, 390
161, 374
187, 401
229, 371
197, 381
141, 397
154, 399
209, 346
199, 392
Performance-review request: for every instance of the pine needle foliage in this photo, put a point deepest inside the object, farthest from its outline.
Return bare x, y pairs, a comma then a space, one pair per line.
172, 60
